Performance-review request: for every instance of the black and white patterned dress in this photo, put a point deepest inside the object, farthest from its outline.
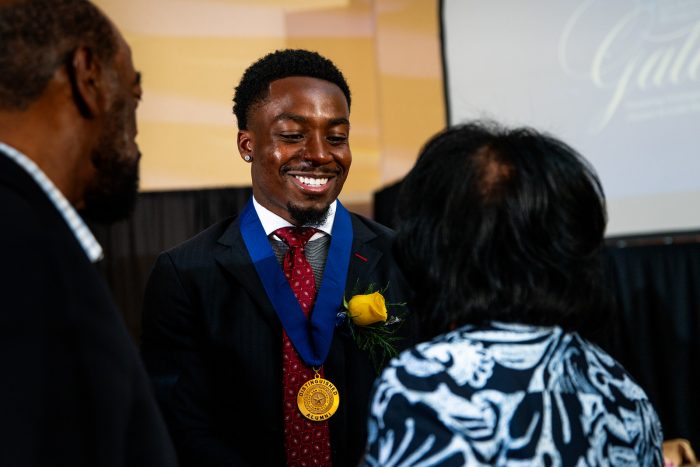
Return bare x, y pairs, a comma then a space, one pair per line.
512, 395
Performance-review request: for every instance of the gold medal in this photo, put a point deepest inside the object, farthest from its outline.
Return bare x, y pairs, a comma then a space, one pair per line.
318, 398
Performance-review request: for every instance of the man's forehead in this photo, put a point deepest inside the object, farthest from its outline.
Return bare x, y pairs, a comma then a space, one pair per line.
302, 89
293, 83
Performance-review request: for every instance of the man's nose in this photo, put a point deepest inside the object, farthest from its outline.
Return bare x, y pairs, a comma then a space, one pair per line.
318, 150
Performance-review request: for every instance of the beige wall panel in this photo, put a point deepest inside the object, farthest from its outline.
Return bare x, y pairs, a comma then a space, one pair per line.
197, 18
207, 68
201, 156
410, 79
417, 101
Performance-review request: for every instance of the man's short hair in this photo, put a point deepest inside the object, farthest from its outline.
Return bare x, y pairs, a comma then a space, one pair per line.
254, 86
502, 225
38, 36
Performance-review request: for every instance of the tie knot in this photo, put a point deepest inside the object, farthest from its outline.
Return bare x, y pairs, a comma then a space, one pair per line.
295, 236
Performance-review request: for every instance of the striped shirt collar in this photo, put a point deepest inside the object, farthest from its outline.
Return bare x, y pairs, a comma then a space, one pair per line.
271, 221
82, 233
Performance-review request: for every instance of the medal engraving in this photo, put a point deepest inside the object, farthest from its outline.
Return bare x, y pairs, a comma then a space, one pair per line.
318, 399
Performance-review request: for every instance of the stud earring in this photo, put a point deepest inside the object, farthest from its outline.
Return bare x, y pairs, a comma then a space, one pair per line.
248, 158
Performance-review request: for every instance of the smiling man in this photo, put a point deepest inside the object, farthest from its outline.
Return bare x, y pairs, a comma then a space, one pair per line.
241, 329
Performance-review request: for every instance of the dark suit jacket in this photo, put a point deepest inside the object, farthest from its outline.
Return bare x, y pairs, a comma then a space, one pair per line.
73, 390
213, 345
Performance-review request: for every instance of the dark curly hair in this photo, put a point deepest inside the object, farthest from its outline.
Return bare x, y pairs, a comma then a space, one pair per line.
255, 83
38, 36
502, 225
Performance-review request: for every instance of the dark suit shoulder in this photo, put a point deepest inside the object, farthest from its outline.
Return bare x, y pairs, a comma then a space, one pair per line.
373, 231
28, 208
36, 236
374, 226
202, 244
14, 206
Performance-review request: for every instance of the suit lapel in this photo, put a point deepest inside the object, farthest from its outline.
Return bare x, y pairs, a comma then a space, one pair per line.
363, 259
232, 255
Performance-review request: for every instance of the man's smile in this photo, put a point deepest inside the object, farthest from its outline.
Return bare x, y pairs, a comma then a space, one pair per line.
313, 183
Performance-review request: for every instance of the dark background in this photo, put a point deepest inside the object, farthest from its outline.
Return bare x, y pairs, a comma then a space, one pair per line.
654, 279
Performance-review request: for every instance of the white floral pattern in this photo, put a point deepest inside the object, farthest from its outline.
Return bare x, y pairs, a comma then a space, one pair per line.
511, 395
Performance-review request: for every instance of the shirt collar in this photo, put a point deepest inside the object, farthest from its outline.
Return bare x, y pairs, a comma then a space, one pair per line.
82, 233
271, 221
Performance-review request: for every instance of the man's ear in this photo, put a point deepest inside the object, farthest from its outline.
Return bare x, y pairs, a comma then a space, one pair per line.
245, 143
87, 82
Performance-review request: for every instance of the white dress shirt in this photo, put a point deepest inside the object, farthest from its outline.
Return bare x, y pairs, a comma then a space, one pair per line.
271, 221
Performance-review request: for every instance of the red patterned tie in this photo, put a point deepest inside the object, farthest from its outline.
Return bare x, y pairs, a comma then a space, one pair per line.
306, 442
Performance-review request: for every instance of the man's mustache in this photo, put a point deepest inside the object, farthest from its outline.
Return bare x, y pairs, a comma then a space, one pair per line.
310, 168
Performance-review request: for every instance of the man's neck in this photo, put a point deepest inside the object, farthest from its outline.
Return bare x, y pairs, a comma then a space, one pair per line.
271, 221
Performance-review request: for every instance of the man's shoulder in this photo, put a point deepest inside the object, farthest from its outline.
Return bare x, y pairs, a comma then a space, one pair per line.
35, 222
21, 196
203, 243
15, 204
364, 224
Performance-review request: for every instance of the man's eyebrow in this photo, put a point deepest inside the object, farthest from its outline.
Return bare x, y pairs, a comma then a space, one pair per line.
137, 79
293, 117
300, 119
339, 121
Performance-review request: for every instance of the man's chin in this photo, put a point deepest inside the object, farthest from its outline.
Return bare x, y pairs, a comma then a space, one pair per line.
112, 196
109, 209
308, 215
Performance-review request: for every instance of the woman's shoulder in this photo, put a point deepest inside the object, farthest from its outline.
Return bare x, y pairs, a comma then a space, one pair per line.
517, 357
475, 357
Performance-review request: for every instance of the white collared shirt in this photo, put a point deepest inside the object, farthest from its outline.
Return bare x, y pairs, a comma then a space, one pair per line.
271, 221
82, 233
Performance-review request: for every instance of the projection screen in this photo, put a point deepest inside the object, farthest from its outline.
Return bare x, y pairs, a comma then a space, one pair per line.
617, 80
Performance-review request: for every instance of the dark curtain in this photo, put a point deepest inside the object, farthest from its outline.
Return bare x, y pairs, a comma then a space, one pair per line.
385, 203
654, 330
160, 221
657, 329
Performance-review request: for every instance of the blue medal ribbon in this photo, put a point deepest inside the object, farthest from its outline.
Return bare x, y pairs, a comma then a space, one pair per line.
311, 338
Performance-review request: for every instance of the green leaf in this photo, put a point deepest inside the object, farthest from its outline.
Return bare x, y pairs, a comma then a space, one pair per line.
377, 339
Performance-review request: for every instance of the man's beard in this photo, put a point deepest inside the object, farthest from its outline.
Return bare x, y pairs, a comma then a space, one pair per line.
112, 194
308, 216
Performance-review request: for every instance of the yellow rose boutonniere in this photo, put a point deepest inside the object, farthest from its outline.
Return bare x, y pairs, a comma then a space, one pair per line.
367, 309
371, 325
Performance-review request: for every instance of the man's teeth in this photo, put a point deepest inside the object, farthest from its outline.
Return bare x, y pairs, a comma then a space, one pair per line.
312, 181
